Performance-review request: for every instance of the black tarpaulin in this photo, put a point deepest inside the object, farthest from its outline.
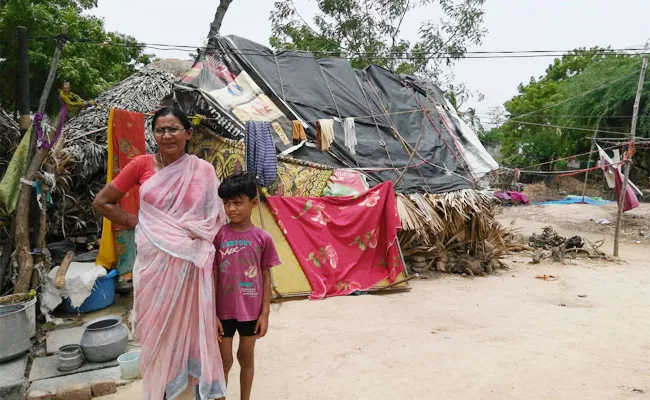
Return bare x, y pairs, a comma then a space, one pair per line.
383, 104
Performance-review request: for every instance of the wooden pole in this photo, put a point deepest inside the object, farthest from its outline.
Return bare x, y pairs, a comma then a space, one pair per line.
24, 122
626, 173
23, 79
591, 153
23, 247
55, 62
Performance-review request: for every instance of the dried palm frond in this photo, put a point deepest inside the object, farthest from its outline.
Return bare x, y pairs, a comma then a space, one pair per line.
9, 139
455, 230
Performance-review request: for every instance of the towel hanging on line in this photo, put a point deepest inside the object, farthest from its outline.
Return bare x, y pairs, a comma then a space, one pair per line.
324, 134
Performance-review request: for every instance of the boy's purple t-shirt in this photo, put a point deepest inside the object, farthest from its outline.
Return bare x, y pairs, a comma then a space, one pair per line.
240, 259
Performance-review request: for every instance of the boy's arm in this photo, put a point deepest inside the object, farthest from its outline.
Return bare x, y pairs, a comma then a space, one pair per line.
263, 322
269, 260
266, 300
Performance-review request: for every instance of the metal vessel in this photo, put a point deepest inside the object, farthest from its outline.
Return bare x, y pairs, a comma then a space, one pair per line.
104, 339
14, 332
70, 357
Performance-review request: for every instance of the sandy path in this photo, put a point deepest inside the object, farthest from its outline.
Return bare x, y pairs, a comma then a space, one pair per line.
508, 336
500, 337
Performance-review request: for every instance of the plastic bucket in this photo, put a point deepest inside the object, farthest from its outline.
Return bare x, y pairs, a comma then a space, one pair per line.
102, 295
130, 365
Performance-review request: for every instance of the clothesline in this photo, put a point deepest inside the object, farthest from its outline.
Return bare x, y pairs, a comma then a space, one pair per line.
569, 157
568, 172
198, 117
582, 171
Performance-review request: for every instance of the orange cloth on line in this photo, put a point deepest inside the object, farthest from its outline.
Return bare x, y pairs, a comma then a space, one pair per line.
128, 143
298, 132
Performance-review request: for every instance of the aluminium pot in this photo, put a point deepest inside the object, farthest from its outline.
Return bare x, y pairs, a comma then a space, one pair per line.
70, 357
104, 339
14, 332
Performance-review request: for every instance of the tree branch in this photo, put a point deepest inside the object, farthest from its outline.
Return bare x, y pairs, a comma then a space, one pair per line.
215, 26
399, 25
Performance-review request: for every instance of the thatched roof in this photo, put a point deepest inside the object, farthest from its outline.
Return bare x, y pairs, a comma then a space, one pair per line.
86, 133
80, 165
9, 139
172, 65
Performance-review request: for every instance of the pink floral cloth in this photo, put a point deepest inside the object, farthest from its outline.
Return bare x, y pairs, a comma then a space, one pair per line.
180, 215
344, 244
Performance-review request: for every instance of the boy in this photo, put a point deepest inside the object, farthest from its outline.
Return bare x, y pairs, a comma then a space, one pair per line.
245, 255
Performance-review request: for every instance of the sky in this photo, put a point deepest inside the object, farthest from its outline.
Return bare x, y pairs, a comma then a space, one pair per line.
511, 25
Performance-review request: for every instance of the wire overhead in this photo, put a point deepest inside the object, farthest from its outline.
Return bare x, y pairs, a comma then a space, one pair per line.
482, 54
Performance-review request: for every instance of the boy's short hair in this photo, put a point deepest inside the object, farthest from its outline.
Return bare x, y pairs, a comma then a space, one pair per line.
236, 185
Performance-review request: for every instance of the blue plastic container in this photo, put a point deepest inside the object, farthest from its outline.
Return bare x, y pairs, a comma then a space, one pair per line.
102, 295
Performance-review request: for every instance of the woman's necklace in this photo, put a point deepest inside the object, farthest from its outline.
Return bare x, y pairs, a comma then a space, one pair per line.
161, 160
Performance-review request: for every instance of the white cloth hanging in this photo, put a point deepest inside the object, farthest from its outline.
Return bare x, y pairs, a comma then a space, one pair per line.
350, 131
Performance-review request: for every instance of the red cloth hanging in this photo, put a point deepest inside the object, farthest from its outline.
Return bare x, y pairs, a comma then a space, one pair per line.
128, 143
343, 244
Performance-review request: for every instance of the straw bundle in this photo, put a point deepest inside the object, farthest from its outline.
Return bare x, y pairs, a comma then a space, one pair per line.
456, 231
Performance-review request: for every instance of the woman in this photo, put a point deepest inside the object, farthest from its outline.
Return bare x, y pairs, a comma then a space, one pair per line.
180, 214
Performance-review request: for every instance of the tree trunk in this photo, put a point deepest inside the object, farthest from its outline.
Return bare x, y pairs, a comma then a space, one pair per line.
215, 26
23, 247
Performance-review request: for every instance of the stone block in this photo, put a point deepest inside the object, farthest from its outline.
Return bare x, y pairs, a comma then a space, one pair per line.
51, 384
39, 395
80, 391
48, 367
103, 388
12, 379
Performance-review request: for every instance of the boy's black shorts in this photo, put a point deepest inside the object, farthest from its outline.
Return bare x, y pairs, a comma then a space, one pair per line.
246, 328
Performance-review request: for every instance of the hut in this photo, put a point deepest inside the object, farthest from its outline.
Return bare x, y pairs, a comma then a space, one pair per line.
80, 164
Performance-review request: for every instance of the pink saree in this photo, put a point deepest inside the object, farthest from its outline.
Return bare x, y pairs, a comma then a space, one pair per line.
180, 214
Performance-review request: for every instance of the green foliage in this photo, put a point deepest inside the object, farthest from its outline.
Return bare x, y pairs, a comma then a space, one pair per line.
566, 81
369, 32
89, 67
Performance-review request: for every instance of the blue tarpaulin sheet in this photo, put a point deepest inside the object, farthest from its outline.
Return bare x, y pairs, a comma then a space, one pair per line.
576, 200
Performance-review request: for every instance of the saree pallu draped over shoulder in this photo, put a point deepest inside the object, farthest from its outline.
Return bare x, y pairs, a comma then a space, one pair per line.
175, 319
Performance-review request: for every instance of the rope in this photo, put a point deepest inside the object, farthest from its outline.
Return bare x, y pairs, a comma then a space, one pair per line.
582, 171
277, 66
570, 157
417, 144
382, 143
329, 88
567, 127
439, 132
396, 133
458, 145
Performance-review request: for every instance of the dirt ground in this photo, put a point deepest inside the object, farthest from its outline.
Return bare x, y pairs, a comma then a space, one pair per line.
506, 336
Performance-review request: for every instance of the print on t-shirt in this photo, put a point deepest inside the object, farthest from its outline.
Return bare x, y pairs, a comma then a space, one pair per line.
240, 259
